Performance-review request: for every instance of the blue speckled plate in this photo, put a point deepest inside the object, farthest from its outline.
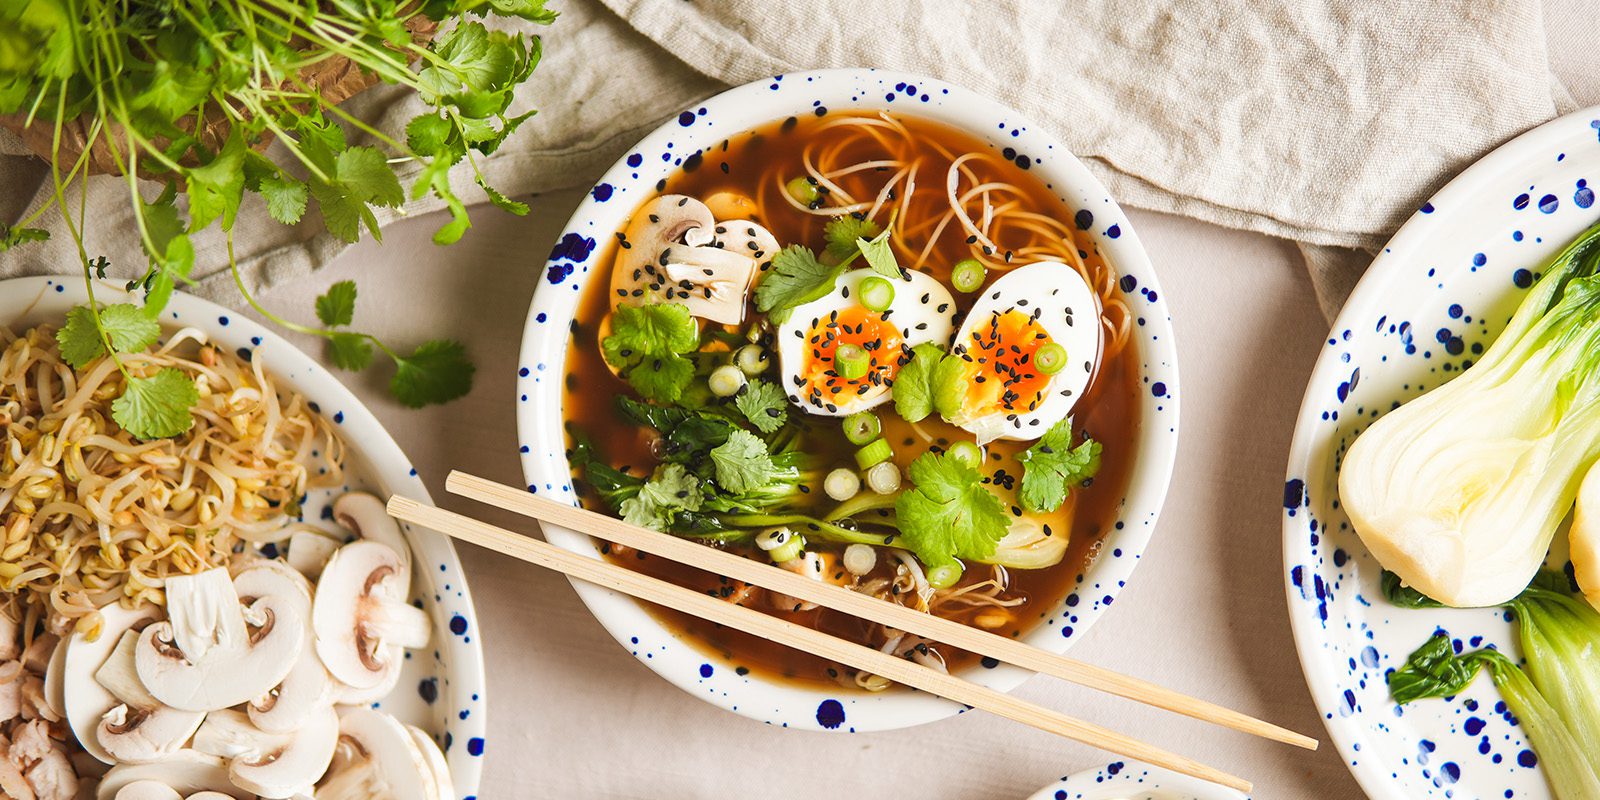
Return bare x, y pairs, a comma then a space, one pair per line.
441, 690
1131, 780
1432, 301
577, 259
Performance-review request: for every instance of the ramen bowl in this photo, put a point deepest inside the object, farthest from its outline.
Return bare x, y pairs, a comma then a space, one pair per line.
691, 141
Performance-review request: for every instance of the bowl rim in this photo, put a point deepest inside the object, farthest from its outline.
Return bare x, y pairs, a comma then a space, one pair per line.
1121, 778
1384, 275
634, 176
388, 467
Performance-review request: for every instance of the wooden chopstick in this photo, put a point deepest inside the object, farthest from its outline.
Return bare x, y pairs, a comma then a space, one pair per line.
611, 576
841, 599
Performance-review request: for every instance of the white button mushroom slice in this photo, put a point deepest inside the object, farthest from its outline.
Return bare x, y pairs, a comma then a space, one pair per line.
185, 772
204, 612
273, 765
229, 674
377, 757
434, 758
141, 729
307, 688
308, 551
84, 701
148, 790
366, 516
747, 239
669, 255
54, 679
361, 618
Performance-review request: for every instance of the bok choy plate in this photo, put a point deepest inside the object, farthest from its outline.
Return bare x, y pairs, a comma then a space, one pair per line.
1429, 307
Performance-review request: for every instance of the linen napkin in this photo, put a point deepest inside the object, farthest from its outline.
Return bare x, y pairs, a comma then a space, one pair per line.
1325, 122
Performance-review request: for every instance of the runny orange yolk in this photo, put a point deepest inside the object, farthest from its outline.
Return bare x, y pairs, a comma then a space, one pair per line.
1001, 377
858, 326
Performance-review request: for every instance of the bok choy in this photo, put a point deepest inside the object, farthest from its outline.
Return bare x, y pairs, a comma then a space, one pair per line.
1460, 491
1556, 698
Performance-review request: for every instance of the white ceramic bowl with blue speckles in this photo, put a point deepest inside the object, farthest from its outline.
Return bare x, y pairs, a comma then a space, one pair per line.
441, 688
576, 260
1433, 300
1131, 780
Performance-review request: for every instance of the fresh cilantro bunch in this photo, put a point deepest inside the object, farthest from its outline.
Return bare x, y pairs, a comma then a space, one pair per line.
188, 93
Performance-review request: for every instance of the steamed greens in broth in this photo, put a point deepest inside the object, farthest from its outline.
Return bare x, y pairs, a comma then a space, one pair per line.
875, 385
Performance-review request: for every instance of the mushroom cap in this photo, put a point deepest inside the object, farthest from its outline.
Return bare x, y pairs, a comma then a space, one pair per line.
307, 688
367, 517
669, 253
185, 772
272, 765
377, 743
308, 551
146, 735
84, 701
229, 675
360, 616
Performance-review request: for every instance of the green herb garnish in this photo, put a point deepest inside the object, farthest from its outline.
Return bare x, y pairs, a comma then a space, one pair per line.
949, 513
647, 344
764, 404
796, 278
1052, 466
742, 462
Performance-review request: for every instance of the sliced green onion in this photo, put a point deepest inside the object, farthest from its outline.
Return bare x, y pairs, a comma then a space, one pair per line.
851, 361
884, 478
751, 359
859, 559
944, 576
726, 380
862, 427
803, 189
841, 484
875, 293
875, 452
1050, 358
968, 453
968, 275
789, 551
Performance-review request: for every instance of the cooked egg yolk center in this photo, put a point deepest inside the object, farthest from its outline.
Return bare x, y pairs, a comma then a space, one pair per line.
858, 326
1001, 376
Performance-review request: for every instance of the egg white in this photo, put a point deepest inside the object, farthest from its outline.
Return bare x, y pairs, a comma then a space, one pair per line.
922, 310
1061, 302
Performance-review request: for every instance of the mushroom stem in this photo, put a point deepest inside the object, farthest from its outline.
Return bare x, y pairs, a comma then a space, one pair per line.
401, 624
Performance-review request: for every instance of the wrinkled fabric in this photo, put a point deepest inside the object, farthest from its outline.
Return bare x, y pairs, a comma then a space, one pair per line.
1325, 123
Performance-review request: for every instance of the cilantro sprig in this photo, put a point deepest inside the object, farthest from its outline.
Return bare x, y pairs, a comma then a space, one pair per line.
189, 95
1052, 466
647, 344
949, 513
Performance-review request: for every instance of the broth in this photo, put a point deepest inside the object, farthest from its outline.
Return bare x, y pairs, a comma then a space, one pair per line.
1108, 410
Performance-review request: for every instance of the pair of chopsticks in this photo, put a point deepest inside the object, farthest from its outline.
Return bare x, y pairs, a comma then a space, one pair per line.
893, 615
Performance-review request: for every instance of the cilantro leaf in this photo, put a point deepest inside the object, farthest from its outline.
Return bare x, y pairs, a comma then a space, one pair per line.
1052, 466
438, 371
530, 10
742, 462
913, 385
880, 256
646, 344
672, 490
351, 351
157, 407
949, 513
338, 305
686, 434
215, 190
949, 386
502, 202
12, 236
764, 404
796, 278
369, 178
128, 328
843, 234
286, 198
427, 133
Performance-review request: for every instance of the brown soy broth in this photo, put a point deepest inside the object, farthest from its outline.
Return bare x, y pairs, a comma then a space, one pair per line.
1108, 411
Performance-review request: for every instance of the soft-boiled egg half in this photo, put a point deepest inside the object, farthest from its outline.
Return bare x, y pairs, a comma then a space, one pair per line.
838, 356
1030, 343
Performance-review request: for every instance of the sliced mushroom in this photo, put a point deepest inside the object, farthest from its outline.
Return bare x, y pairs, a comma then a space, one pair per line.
307, 688
204, 610
378, 757
365, 516
434, 758
231, 672
55, 691
148, 790
273, 765
185, 772
670, 254
361, 619
141, 729
84, 701
747, 239
309, 550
